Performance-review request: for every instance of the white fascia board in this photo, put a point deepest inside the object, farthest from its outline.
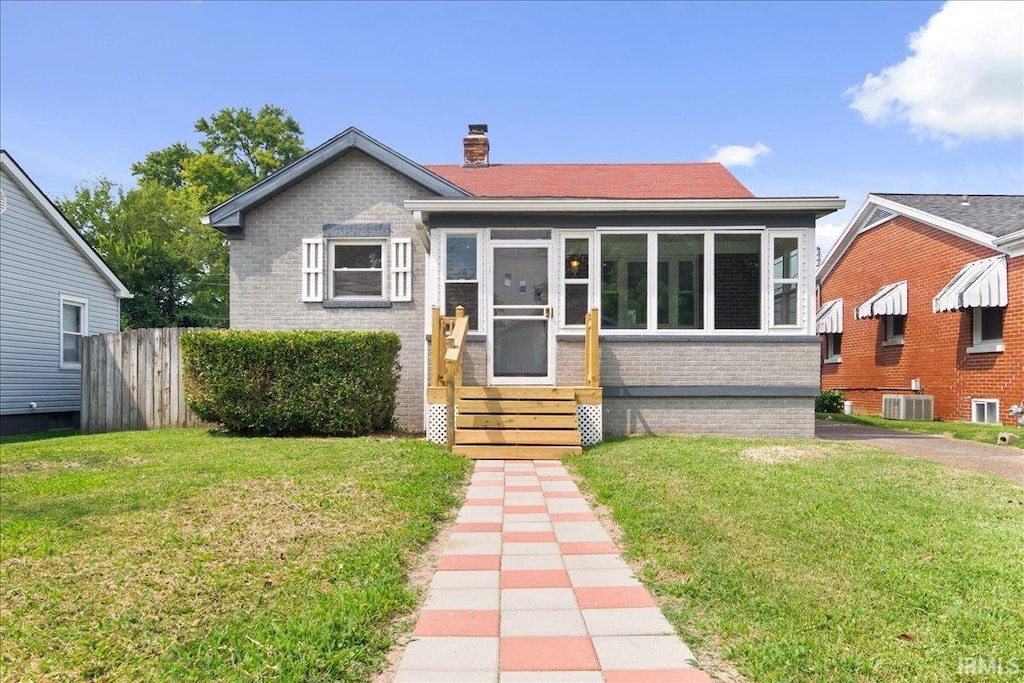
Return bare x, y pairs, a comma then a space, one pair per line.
50, 210
821, 206
855, 228
1012, 244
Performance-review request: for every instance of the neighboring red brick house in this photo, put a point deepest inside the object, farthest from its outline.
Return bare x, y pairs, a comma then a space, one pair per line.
928, 291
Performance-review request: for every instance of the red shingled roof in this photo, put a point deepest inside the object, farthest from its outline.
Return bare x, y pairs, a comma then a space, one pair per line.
709, 180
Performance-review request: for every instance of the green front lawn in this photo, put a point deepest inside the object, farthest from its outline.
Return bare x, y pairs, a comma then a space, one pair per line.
152, 556
803, 561
968, 431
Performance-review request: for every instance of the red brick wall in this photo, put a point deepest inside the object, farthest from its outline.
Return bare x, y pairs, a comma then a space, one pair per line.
935, 344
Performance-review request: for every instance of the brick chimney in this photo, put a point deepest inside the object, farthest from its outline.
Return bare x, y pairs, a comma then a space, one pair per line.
476, 148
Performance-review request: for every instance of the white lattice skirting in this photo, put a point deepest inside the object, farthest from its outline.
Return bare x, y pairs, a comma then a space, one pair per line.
437, 423
591, 424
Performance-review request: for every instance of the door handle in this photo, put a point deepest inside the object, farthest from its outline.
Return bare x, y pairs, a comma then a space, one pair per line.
547, 312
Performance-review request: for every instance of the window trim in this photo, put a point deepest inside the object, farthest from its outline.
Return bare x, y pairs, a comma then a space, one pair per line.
562, 252
830, 356
381, 243
988, 345
890, 338
985, 401
797, 280
478, 326
83, 304
766, 233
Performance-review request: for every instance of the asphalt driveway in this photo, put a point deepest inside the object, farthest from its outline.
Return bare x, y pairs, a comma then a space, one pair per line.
999, 461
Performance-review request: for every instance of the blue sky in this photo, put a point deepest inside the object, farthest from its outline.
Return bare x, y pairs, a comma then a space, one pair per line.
86, 89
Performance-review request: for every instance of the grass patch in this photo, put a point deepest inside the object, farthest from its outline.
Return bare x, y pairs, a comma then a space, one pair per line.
799, 561
968, 431
149, 556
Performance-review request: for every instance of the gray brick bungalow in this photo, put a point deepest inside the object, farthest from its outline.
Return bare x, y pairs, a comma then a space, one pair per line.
704, 292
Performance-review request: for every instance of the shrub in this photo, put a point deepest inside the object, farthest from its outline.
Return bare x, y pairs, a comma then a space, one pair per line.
302, 382
830, 401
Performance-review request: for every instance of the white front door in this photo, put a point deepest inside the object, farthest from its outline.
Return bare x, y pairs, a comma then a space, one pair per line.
521, 343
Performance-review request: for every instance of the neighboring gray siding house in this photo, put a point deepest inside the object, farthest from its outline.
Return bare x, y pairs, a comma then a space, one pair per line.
54, 290
356, 236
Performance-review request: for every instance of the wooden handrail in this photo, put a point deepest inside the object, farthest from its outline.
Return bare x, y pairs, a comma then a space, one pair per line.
455, 343
591, 354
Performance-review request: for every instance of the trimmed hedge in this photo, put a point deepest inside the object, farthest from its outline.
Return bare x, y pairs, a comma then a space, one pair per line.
301, 382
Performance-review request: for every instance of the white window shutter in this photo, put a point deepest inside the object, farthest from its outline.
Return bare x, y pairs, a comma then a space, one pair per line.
313, 269
401, 269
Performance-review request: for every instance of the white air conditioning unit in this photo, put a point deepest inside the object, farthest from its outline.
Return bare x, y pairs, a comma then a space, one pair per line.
907, 407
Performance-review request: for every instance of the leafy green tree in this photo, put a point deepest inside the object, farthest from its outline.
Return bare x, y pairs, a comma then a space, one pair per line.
151, 236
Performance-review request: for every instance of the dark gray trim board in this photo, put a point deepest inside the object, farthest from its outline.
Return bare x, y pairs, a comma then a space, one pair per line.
355, 303
623, 219
711, 391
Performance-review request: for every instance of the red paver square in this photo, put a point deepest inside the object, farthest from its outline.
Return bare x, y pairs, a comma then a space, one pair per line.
573, 517
548, 653
657, 676
524, 509
588, 548
463, 527
563, 494
614, 596
528, 537
449, 563
484, 501
535, 578
515, 488
458, 623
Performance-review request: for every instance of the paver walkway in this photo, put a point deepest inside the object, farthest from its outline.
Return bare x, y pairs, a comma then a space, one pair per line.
531, 589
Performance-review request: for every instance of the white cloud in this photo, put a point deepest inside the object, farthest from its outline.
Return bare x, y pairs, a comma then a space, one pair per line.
826, 233
964, 78
739, 155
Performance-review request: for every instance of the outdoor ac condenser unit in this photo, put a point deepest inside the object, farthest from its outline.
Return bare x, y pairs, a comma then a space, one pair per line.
907, 407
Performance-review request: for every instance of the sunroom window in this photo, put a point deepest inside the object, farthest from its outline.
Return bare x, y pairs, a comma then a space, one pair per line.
624, 282
737, 282
786, 280
680, 282
461, 276
576, 274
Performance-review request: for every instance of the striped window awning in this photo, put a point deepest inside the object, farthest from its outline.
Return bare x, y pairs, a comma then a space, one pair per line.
830, 317
889, 300
979, 284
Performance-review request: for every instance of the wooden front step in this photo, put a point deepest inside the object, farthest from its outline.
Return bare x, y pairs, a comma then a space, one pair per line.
516, 422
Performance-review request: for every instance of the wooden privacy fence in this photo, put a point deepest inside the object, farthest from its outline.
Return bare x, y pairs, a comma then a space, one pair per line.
134, 380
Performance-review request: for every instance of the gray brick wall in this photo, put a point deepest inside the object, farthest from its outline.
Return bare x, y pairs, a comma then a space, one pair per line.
266, 265
768, 417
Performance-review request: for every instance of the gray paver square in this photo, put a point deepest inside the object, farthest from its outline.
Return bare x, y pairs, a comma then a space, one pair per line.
538, 548
446, 676
642, 652
483, 513
535, 599
558, 485
528, 517
526, 526
451, 654
524, 498
462, 598
580, 531
631, 621
476, 491
551, 622
584, 578
608, 561
465, 579
568, 505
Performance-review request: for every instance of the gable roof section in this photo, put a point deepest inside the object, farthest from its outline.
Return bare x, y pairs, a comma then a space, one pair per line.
50, 210
988, 220
228, 217
705, 180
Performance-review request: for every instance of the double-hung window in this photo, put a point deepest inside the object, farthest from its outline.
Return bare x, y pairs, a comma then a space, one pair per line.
576, 279
988, 329
895, 325
74, 325
834, 347
357, 269
786, 281
462, 276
